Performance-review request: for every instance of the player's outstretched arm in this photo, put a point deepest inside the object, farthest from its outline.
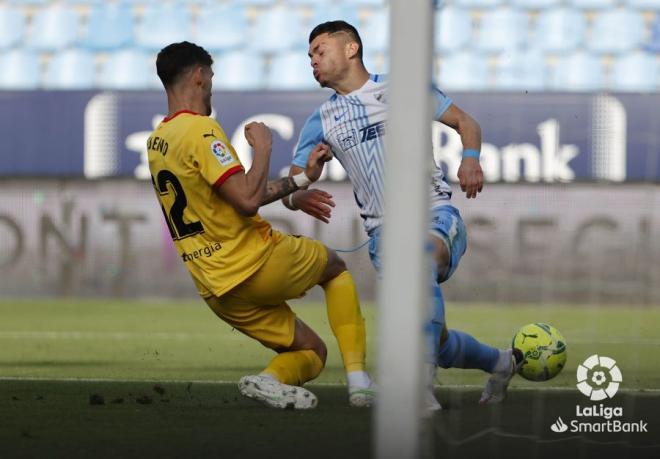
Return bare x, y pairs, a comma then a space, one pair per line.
470, 175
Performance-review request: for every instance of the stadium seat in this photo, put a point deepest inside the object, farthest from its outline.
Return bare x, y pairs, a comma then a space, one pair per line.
637, 71
162, 25
277, 30
502, 29
644, 4
128, 69
579, 71
20, 70
653, 44
291, 70
368, 3
30, 2
593, 4
71, 69
255, 2
238, 70
311, 3
12, 26
109, 27
375, 33
478, 3
560, 29
463, 71
453, 29
53, 28
348, 13
521, 71
221, 27
535, 4
616, 31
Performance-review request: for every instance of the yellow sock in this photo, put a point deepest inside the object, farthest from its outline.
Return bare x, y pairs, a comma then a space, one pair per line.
346, 320
295, 368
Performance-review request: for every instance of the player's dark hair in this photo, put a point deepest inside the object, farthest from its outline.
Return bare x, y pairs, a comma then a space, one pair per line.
332, 27
175, 59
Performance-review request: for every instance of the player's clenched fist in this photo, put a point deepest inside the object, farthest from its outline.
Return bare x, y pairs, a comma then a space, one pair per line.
320, 155
258, 135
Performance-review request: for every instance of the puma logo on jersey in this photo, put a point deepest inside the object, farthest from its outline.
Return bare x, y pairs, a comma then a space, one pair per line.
209, 135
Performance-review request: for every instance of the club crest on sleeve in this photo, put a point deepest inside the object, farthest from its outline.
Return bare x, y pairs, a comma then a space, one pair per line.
221, 152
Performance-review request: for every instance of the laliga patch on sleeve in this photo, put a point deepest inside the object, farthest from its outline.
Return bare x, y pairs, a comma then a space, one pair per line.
221, 152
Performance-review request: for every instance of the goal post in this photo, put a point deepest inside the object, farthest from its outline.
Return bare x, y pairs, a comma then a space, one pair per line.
404, 289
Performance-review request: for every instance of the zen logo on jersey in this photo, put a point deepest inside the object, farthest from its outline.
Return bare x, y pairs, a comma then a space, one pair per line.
221, 152
373, 131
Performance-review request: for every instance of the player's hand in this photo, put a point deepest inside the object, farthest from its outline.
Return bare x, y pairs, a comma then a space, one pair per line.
316, 203
258, 135
320, 155
471, 177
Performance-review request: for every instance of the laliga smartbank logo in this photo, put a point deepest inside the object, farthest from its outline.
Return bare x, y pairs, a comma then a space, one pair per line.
598, 378
602, 370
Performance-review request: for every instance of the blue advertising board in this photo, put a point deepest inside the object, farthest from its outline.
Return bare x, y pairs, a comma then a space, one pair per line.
541, 137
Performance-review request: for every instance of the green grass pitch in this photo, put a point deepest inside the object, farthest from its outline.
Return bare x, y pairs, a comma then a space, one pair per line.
166, 373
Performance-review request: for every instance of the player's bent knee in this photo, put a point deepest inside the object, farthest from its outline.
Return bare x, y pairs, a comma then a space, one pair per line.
335, 266
440, 256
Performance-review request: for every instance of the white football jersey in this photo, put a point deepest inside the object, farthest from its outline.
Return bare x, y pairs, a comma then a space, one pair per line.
354, 126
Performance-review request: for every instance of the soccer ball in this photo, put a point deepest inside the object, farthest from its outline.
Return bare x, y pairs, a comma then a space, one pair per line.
544, 351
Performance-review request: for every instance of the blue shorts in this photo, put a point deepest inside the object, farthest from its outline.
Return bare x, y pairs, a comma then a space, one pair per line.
446, 224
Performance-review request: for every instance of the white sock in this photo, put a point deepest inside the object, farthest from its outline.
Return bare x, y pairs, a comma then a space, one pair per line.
503, 364
358, 379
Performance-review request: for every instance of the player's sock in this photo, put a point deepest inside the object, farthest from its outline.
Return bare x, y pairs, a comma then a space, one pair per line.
346, 320
464, 351
358, 379
294, 368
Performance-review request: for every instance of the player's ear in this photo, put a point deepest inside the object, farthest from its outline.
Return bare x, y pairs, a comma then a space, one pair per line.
197, 75
351, 49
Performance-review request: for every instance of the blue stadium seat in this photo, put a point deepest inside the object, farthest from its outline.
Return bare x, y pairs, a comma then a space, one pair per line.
560, 29
579, 71
221, 27
128, 69
71, 69
302, 2
479, 3
162, 25
109, 27
238, 70
593, 4
453, 29
276, 30
645, 4
20, 70
375, 34
348, 13
637, 71
653, 45
463, 71
616, 31
12, 26
521, 71
291, 70
29, 2
376, 62
53, 28
502, 29
255, 2
535, 4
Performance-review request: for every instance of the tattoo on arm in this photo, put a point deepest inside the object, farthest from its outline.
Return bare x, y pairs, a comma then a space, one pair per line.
277, 189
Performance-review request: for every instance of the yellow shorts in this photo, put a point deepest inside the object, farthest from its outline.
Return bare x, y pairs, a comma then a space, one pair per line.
257, 307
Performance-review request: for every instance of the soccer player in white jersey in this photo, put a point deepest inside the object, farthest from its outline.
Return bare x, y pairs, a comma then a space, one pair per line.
353, 123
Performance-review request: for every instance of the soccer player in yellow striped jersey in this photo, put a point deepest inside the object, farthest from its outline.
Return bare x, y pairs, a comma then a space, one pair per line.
244, 269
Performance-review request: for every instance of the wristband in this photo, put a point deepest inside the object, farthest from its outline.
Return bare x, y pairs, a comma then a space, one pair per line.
470, 153
291, 204
301, 180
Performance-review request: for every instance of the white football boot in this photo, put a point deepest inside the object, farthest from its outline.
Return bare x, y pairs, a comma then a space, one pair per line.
507, 366
362, 397
273, 393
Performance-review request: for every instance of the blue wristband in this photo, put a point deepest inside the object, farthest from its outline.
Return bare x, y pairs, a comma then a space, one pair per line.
471, 153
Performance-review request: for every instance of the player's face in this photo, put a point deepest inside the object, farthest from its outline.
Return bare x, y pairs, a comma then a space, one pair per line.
328, 58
